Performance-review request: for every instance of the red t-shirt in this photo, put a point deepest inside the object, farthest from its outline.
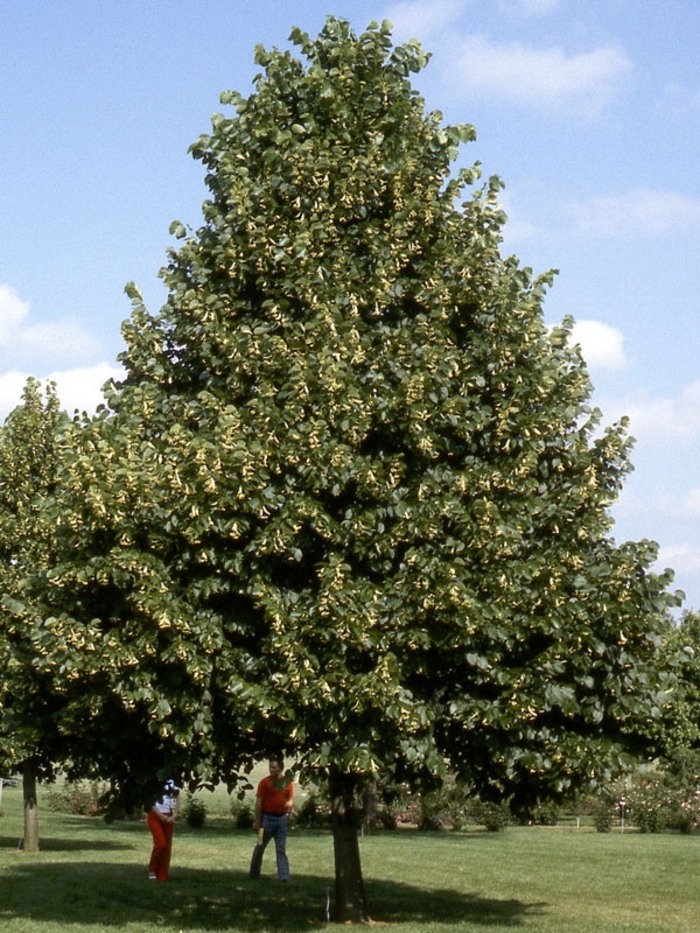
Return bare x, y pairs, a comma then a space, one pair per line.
274, 793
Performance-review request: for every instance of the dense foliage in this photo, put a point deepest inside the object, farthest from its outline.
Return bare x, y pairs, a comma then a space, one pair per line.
31, 741
350, 500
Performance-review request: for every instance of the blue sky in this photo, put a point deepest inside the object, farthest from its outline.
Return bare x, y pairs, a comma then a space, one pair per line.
589, 111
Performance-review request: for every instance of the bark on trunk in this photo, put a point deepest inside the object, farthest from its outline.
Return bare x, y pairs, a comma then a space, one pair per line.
350, 900
31, 810
369, 802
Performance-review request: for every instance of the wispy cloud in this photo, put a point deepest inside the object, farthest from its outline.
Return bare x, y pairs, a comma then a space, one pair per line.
661, 421
676, 509
674, 520
421, 20
23, 340
679, 100
641, 212
683, 558
550, 79
531, 7
78, 389
543, 78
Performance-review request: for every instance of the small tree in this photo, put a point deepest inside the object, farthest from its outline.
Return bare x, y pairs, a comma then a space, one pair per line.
352, 502
680, 730
29, 454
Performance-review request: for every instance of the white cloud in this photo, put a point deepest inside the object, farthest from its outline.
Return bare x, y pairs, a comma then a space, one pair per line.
601, 345
76, 388
661, 420
533, 7
421, 20
11, 385
679, 509
669, 520
81, 388
546, 78
684, 559
13, 311
642, 212
59, 340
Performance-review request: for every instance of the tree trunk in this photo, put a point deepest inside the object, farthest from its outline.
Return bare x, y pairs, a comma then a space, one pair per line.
350, 900
31, 810
369, 805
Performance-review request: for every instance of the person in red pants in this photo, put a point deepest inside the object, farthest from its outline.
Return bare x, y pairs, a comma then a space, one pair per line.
161, 822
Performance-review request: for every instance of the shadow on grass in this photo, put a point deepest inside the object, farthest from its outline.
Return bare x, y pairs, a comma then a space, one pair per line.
59, 844
81, 832
115, 895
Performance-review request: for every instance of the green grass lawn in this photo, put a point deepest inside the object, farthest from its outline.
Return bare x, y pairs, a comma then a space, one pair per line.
92, 877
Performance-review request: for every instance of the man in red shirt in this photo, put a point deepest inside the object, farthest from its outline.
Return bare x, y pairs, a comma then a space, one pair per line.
273, 804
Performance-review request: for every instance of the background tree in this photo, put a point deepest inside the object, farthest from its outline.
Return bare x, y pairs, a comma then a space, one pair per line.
679, 730
53, 717
351, 501
29, 453
116, 634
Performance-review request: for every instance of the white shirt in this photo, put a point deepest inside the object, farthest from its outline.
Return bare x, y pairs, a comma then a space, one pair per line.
166, 805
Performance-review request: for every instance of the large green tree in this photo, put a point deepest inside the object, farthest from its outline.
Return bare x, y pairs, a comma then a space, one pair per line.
350, 501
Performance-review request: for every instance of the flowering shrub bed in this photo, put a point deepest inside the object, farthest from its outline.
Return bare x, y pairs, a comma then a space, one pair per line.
665, 797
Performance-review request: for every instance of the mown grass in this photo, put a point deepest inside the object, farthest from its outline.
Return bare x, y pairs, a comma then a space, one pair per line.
91, 877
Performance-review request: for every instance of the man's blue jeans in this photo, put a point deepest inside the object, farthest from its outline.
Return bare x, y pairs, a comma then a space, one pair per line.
274, 827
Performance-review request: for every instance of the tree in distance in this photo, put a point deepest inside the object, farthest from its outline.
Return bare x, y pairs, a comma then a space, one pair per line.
350, 502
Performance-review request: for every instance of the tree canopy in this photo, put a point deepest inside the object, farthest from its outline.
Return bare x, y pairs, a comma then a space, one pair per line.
30, 741
350, 501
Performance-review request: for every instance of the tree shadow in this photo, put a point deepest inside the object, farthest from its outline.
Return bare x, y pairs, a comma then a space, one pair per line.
115, 895
82, 833
83, 830
59, 844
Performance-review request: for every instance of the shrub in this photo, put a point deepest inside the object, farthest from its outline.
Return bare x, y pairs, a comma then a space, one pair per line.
78, 798
433, 811
687, 816
387, 816
603, 816
651, 803
194, 812
545, 814
654, 799
495, 817
602, 807
447, 807
682, 773
243, 814
314, 812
